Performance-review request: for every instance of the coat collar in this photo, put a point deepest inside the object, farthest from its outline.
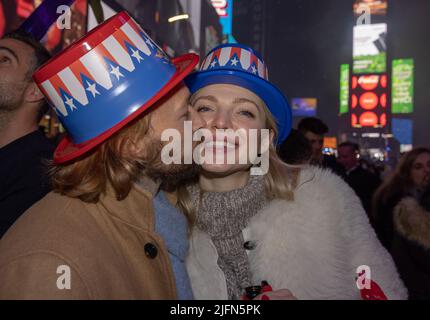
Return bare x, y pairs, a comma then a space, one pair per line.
307, 174
137, 208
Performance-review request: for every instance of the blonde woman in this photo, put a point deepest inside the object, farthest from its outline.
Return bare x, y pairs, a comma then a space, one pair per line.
300, 228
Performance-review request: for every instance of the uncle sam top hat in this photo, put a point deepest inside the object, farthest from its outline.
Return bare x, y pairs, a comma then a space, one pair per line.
242, 66
105, 80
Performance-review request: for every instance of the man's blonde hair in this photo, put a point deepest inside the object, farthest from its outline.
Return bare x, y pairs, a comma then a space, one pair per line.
109, 164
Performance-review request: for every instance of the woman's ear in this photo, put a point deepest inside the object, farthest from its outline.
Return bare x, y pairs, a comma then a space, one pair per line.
272, 136
33, 94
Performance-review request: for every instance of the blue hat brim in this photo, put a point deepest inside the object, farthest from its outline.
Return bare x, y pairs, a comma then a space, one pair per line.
273, 98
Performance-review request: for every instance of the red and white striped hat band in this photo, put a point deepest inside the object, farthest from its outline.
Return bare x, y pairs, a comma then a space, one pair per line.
94, 67
237, 58
123, 68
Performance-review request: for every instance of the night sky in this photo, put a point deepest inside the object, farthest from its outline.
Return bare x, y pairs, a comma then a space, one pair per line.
307, 41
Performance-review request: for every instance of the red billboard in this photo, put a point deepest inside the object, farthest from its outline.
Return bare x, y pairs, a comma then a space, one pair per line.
369, 101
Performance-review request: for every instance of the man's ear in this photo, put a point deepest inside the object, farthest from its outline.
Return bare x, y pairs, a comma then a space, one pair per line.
135, 148
132, 148
33, 93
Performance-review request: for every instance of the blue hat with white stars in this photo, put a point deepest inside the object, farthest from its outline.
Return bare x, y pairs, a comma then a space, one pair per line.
242, 66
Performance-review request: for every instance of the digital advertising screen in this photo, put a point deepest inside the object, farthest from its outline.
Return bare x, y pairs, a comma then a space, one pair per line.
14, 12
402, 90
224, 9
377, 7
403, 132
369, 101
369, 48
304, 107
344, 89
330, 143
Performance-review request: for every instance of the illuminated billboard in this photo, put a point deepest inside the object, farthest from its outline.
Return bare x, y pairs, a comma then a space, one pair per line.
369, 48
369, 101
403, 86
224, 9
304, 107
377, 7
403, 132
14, 12
344, 89
330, 143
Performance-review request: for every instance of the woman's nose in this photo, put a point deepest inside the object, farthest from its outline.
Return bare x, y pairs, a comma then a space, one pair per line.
221, 120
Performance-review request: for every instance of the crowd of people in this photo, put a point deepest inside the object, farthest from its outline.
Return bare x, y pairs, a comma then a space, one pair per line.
397, 206
129, 226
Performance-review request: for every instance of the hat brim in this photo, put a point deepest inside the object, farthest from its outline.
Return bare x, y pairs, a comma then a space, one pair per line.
67, 150
273, 98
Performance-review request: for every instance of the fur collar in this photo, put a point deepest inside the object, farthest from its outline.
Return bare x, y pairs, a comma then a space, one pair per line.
413, 222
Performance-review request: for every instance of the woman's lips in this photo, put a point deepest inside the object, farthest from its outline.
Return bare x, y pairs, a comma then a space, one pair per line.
220, 146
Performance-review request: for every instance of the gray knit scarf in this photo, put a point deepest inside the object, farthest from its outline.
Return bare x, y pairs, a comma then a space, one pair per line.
223, 216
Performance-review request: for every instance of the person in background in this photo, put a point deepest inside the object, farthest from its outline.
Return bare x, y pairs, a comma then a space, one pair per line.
371, 166
362, 181
296, 149
411, 244
409, 179
314, 130
24, 149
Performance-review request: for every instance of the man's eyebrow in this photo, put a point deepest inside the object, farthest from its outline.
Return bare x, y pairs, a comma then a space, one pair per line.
10, 51
210, 98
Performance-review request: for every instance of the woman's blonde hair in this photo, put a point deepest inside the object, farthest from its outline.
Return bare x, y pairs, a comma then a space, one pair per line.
280, 181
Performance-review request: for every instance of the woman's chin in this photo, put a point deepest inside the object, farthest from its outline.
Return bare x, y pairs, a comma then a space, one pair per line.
223, 169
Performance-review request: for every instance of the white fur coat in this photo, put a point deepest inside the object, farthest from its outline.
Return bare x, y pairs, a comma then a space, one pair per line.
311, 246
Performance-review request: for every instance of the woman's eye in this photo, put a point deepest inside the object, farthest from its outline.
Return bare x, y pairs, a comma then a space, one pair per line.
203, 109
4, 59
247, 114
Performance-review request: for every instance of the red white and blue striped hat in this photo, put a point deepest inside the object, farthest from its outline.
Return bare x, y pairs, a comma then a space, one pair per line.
105, 80
242, 66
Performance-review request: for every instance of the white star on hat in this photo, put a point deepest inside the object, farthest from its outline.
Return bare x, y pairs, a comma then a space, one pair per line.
92, 88
115, 71
136, 54
234, 61
213, 64
69, 102
254, 71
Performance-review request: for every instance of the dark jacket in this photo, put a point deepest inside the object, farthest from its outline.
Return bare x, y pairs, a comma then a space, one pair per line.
382, 218
24, 177
410, 247
330, 162
364, 183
